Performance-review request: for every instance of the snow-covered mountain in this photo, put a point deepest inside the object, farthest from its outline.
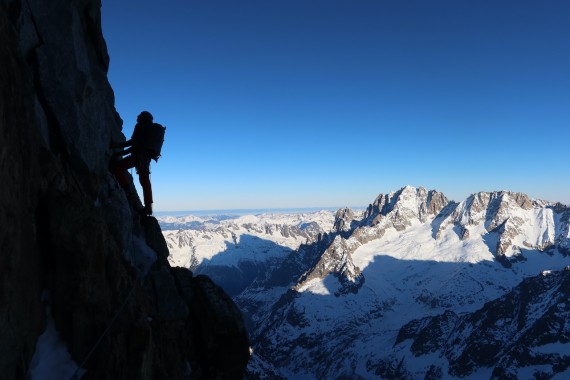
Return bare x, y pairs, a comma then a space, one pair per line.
524, 334
235, 250
417, 286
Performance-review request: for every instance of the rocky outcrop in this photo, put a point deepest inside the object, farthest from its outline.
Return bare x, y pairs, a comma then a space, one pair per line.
344, 220
394, 210
68, 229
296, 264
401, 207
336, 260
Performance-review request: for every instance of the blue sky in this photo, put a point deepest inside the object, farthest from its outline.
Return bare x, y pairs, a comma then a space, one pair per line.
312, 103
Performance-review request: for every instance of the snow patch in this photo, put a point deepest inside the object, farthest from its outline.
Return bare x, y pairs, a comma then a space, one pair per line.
554, 348
51, 360
315, 286
142, 256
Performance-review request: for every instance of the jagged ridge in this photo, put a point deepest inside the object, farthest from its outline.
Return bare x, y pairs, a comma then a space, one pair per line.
503, 228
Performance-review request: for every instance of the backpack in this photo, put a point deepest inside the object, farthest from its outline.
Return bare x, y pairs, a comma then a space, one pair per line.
150, 137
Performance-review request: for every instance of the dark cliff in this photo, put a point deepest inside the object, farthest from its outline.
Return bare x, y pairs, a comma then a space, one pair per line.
68, 230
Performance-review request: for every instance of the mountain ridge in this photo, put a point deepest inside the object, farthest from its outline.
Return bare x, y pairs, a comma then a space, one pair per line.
412, 255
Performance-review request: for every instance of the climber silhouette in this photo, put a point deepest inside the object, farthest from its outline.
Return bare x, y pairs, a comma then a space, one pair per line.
145, 144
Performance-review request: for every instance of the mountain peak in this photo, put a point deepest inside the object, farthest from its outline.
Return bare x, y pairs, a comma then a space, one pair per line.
509, 222
400, 208
514, 220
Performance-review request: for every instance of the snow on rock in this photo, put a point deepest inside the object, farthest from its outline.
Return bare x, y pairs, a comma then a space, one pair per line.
236, 251
518, 222
345, 220
248, 237
522, 332
415, 259
141, 255
336, 260
404, 205
51, 360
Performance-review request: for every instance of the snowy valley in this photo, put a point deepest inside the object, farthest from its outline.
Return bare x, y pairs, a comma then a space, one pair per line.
415, 286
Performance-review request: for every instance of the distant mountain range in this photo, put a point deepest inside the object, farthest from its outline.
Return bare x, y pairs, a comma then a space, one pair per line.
416, 286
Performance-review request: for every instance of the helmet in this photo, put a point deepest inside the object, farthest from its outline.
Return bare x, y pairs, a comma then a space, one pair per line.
144, 116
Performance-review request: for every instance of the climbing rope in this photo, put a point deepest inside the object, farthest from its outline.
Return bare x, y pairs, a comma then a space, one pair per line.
23, 359
113, 319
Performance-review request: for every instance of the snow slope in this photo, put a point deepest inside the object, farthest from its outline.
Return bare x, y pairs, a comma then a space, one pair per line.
236, 250
250, 237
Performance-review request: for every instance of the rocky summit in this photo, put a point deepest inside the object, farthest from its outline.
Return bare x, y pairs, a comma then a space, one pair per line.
73, 251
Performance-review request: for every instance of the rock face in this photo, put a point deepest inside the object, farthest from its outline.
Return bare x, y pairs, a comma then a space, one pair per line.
398, 210
404, 205
68, 229
336, 260
518, 222
343, 220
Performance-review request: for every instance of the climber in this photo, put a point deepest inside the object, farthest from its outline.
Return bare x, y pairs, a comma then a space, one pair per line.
144, 145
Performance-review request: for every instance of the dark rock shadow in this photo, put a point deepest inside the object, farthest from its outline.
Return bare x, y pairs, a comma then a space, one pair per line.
239, 265
491, 240
440, 218
492, 209
317, 330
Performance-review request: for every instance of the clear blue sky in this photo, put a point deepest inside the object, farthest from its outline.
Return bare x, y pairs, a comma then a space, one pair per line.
310, 103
